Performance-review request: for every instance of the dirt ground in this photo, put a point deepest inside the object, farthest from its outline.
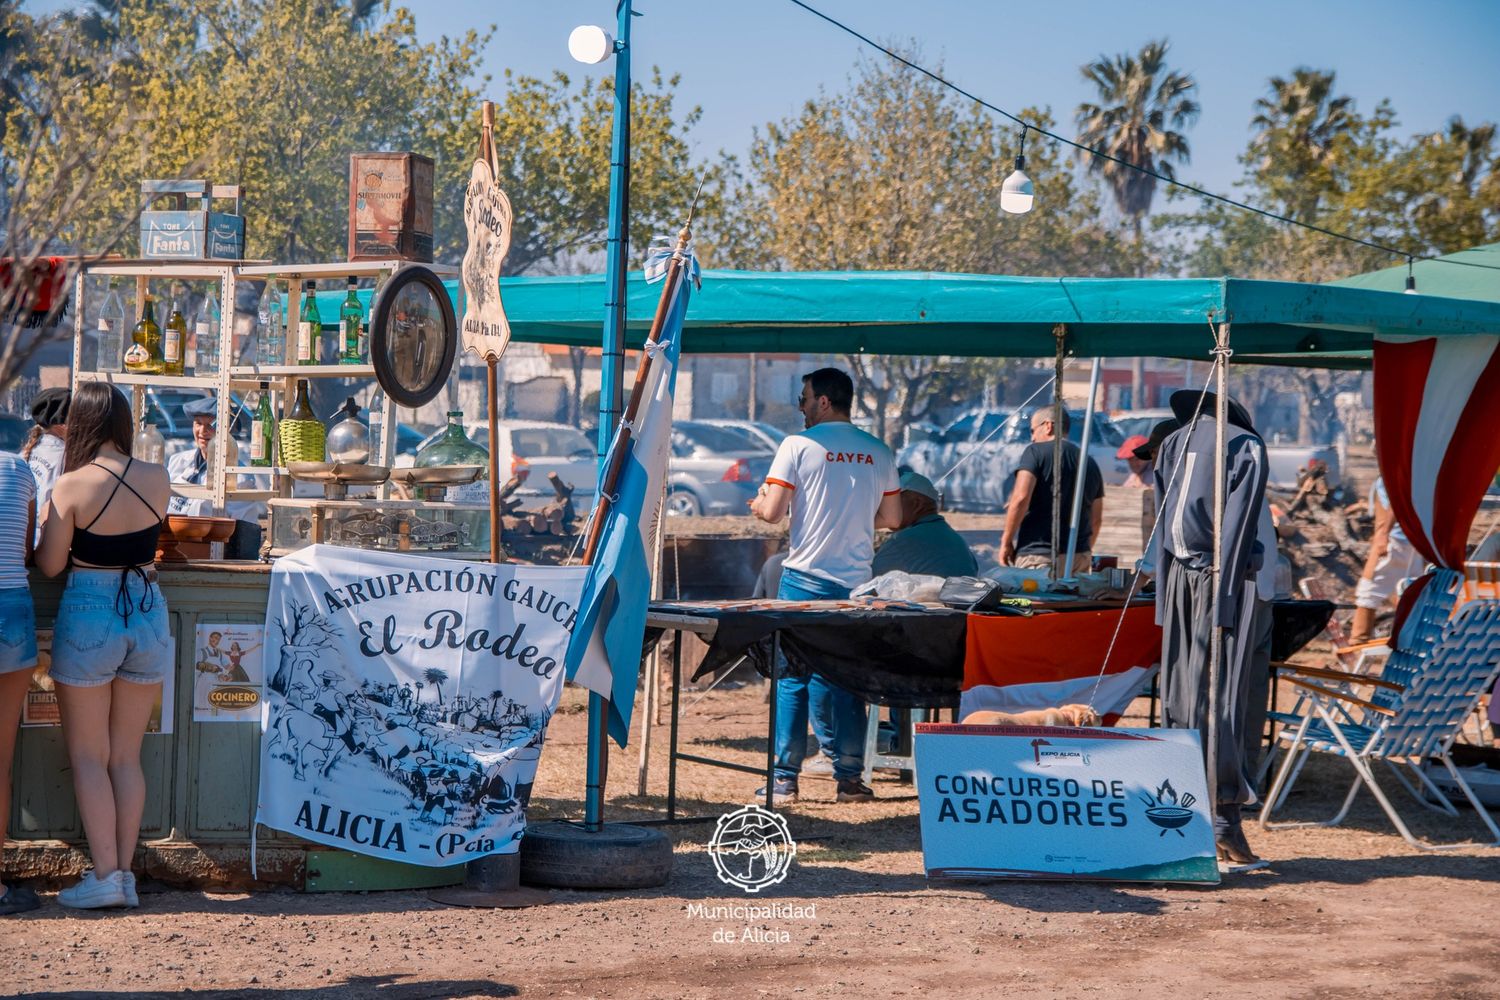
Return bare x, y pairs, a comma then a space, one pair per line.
1341, 912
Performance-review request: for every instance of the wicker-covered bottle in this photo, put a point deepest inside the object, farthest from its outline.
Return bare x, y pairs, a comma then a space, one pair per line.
302, 434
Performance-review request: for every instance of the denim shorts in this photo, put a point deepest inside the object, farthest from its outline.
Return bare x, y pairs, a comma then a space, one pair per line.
17, 630
94, 644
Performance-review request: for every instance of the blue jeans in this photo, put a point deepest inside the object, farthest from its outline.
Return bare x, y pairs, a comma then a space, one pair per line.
838, 717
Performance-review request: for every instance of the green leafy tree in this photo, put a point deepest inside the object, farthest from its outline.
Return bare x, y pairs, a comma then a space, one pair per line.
553, 139
895, 173
275, 95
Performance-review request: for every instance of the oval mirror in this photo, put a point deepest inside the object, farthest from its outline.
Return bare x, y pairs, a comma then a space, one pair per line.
413, 336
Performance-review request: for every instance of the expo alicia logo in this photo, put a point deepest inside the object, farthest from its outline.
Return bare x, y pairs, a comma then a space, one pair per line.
752, 848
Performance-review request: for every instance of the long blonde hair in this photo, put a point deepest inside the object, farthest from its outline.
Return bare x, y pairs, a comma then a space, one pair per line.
33, 437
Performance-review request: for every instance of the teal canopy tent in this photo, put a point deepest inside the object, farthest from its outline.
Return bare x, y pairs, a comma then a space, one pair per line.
901, 312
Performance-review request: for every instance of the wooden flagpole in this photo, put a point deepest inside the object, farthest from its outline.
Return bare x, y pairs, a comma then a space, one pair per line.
492, 380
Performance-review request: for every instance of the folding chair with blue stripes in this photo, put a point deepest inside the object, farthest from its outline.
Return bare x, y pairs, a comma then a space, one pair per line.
1415, 710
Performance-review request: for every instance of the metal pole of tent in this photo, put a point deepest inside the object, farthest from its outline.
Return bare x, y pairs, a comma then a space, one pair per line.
1060, 331
1083, 467
1216, 636
612, 368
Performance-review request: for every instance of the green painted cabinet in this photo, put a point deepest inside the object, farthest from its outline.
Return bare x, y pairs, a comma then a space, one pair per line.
200, 778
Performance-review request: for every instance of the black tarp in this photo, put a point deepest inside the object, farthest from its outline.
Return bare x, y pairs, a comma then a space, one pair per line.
903, 658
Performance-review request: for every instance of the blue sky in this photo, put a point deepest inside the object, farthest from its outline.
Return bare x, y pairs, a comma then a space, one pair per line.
751, 61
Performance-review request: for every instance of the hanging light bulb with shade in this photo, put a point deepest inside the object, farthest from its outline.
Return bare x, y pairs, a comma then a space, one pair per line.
1411, 279
1016, 192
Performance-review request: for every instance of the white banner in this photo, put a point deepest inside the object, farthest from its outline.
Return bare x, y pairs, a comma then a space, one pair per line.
407, 698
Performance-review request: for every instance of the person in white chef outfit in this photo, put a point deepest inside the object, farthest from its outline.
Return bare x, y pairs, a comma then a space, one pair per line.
191, 467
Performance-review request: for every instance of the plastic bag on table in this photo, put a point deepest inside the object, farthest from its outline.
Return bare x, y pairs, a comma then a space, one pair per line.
901, 586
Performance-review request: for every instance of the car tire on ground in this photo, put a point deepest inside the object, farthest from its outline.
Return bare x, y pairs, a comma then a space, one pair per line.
565, 856
682, 503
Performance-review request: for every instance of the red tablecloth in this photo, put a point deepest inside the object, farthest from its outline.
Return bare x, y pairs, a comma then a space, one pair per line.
1054, 658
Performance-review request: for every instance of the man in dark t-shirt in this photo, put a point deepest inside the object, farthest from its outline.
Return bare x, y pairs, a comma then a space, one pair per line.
1027, 540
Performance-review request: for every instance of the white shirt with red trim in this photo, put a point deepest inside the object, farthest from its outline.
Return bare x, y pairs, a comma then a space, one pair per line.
837, 474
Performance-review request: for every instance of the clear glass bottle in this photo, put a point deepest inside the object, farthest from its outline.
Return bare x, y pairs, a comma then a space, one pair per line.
352, 321
149, 446
310, 327
174, 341
112, 329
144, 356
206, 331
262, 428
270, 329
376, 413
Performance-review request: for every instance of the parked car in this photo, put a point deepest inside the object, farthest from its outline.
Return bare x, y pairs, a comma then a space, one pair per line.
1283, 461
754, 431
13, 431
989, 443
1133, 422
533, 448
713, 470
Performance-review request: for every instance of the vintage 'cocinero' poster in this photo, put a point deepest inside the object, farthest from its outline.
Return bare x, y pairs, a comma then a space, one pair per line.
406, 699
227, 673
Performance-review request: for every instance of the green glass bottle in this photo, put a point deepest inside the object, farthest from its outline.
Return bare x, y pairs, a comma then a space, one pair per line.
310, 326
174, 341
262, 428
352, 320
453, 447
143, 356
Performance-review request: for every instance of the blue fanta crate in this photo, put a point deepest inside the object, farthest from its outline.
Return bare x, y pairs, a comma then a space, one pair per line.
183, 233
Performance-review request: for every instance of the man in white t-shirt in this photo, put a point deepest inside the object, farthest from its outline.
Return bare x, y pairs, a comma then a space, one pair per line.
840, 485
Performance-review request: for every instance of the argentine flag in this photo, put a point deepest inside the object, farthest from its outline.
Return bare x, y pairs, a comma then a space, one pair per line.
604, 653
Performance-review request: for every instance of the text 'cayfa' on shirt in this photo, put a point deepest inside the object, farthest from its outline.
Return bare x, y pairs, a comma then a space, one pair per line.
838, 475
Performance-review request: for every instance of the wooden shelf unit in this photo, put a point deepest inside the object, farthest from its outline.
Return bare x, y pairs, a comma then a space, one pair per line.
281, 378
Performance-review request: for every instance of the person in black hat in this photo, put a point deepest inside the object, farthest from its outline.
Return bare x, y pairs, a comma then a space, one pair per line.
1183, 547
44, 446
191, 466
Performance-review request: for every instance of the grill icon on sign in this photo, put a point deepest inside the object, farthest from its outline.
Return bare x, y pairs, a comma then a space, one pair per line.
1168, 810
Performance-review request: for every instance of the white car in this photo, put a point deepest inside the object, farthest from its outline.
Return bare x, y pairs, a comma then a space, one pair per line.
533, 448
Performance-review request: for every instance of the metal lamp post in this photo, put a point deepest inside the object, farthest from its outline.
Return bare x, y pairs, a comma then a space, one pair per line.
593, 45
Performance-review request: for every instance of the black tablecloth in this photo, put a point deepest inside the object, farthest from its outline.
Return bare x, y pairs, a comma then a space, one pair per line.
896, 657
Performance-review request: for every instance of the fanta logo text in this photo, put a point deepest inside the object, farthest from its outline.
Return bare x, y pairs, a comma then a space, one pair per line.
851, 456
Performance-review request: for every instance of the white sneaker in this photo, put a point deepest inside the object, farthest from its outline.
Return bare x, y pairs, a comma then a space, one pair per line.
127, 888
91, 893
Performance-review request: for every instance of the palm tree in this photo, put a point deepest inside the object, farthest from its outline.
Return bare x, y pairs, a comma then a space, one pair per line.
1299, 123
436, 677
495, 697
1143, 106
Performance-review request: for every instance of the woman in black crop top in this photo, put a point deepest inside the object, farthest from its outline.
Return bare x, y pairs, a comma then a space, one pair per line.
111, 650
